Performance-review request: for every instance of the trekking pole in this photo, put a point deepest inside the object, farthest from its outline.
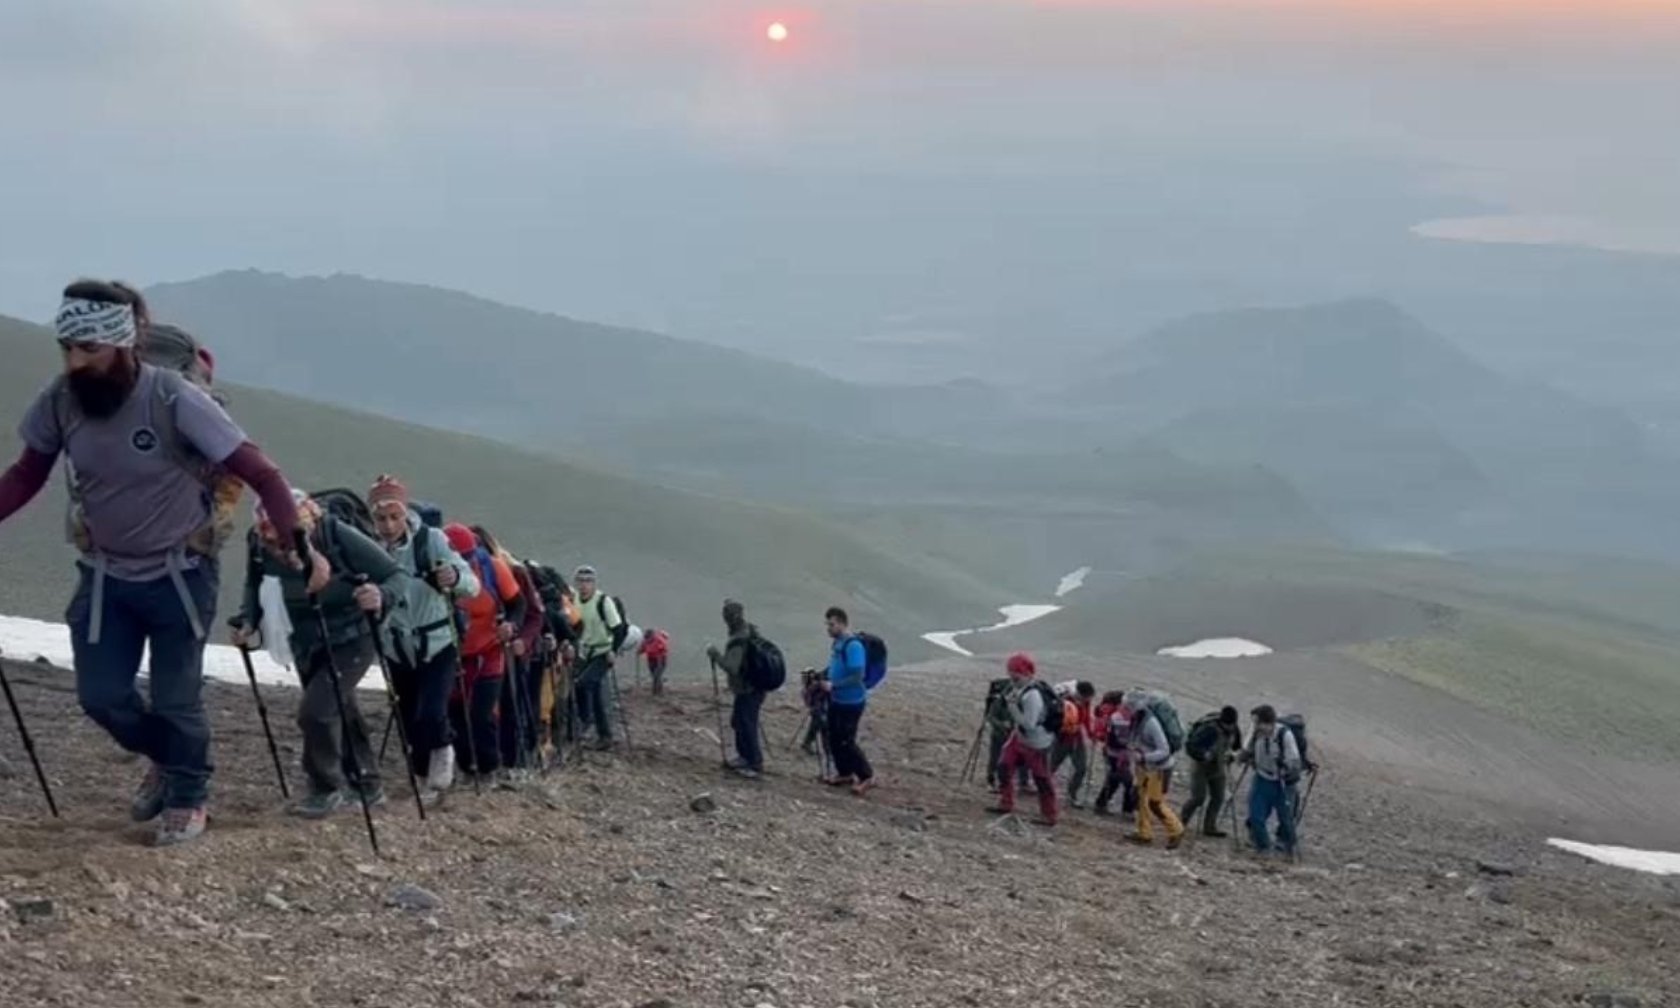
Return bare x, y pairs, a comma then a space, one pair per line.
391, 698
352, 765
385, 739
618, 699
262, 712
1301, 810
804, 723
717, 705
28, 743
972, 763
466, 702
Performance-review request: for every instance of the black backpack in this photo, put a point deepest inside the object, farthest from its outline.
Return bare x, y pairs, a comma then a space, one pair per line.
762, 664
623, 630
1296, 725
1053, 713
1203, 742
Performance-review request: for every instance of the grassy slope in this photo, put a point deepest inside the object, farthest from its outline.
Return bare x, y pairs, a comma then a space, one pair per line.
673, 555
1584, 651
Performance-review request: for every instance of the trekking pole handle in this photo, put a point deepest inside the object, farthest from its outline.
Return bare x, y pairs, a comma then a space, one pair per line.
300, 541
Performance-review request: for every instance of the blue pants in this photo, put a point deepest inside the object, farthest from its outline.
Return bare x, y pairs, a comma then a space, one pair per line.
1266, 797
172, 731
744, 719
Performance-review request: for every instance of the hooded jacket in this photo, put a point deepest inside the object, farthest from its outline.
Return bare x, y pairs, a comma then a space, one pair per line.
352, 554
735, 657
1027, 703
1149, 739
420, 624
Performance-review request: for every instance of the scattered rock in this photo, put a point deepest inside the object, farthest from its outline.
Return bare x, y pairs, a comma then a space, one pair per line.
915, 822
274, 902
702, 804
252, 936
658, 1003
1611, 999
412, 897
193, 999
1499, 895
1498, 868
910, 897
560, 920
37, 908
375, 871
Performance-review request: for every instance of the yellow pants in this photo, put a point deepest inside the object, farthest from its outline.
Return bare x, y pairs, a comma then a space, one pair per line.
1152, 804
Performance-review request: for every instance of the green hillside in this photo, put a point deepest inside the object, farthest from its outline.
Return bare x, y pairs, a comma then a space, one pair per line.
673, 555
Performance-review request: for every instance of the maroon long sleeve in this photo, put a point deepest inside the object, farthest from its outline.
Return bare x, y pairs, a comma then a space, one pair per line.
24, 480
259, 472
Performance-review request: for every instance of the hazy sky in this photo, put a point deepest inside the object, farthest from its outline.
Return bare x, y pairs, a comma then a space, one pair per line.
660, 162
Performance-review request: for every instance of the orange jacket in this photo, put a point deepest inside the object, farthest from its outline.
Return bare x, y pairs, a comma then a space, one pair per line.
481, 608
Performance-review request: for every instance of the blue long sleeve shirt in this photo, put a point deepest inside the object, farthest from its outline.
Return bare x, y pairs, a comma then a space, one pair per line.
846, 665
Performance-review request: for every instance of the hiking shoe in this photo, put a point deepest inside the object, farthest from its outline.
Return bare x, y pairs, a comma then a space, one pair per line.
1103, 810
747, 773
1174, 841
1041, 821
863, 787
318, 804
1076, 805
1000, 810
440, 769
375, 795
181, 825
505, 780
1141, 841
148, 796
601, 745
839, 781
1215, 834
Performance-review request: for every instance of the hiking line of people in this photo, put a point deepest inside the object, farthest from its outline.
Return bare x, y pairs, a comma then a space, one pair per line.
1035, 727
493, 666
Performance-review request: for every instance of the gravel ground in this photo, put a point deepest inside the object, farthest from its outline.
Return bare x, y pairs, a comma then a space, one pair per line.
603, 886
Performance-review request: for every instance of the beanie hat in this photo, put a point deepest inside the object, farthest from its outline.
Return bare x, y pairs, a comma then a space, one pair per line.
387, 490
1021, 664
1227, 715
461, 539
733, 611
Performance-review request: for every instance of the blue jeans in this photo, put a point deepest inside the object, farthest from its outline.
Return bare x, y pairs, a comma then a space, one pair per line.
744, 719
1266, 797
172, 731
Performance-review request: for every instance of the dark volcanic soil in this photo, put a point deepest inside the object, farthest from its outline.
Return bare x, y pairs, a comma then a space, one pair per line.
600, 887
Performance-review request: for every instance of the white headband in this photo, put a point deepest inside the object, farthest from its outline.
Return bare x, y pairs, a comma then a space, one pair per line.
83, 321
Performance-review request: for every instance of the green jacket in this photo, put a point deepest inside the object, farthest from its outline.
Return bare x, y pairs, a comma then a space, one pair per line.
599, 618
351, 553
735, 656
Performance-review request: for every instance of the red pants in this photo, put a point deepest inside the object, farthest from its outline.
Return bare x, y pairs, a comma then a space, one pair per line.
1037, 761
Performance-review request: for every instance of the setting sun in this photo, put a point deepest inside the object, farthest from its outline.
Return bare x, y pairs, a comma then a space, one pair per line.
777, 32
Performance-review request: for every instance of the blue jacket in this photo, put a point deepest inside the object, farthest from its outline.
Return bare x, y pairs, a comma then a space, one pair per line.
846, 664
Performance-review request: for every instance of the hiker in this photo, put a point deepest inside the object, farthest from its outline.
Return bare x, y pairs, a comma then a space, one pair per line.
1029, 742
348, 646
1114, 719
656, 648
559, 631
492, 618
1152, 762
419, 635
744, 715
1276, 761
848, 665
1211, 745
521, 686
1070, 741
149, 457
815, 699
1000, 724
601, 631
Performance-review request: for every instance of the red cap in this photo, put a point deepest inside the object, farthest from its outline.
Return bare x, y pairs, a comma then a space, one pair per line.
461, 539
1021, 664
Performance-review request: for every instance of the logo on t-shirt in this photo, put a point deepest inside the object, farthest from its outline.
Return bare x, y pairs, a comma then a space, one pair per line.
144, 440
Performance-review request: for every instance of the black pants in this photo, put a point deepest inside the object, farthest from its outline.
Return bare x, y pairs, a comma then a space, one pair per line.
326, 751
849, 760
483, 734
592, 687
518, 718
1119, 778
423, 704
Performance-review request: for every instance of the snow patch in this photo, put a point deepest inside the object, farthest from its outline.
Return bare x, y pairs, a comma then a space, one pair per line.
1073, 582
26, 639
1217, 647
1013, 616
1654, 862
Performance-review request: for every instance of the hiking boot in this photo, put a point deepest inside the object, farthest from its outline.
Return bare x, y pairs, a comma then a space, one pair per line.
1215, 834
181, 825
148, 796
1141, 841
1076, 805
863, 787
318, 804
1000, 810
839, 781
747, 773
1103, 810
601, 745
505, 780
440, 770
1174, 841
375, 795
1041, 821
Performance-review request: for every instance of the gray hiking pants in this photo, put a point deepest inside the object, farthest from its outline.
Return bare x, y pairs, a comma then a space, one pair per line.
325, 761
1207, 787
1071, 748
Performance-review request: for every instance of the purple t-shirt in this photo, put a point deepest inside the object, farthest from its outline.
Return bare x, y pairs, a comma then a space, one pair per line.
139, 503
